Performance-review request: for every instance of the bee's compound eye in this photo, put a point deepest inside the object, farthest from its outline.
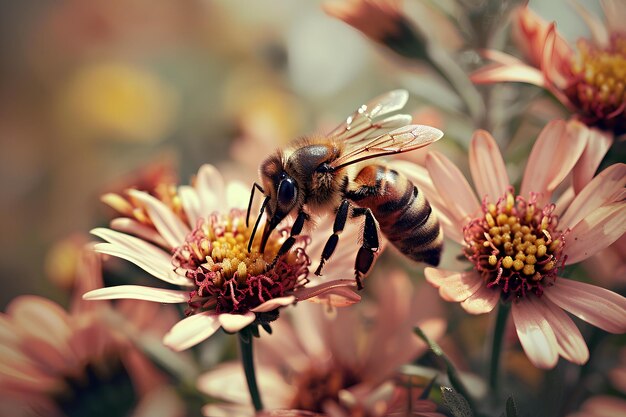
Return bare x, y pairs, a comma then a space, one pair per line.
286, 194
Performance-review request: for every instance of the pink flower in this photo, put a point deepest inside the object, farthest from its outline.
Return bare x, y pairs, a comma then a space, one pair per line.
198, 240
52, 358
379, 20
519, 243
590, 82
337, 366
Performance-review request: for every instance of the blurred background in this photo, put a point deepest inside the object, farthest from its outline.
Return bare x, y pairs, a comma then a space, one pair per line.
92, 93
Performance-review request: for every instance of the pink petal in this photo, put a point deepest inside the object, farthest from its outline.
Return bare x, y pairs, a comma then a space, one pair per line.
563, 202
169, 225
500, 57
133, 227
420, 177
155, 267
452, 186
237, 195
598, 306
535, 335
595, 232
548, 164
615, 14
571, 344
191, 204
191, 331
138, 292
482, 301
337, 297
495, 73
317, 290
598, 145
454, 286
603, 189
487, 167
273, 304
551, 58
232, 323
210, 188
597, 28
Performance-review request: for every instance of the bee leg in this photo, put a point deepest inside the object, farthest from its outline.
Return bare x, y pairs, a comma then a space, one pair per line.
369, 246
331, 243
295, 231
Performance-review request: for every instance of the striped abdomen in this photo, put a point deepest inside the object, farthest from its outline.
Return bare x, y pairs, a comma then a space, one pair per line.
403, 213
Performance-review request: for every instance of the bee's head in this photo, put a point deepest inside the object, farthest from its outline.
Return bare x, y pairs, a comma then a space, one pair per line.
281, 195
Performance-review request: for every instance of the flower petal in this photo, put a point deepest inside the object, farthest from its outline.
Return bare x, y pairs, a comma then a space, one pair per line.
605, 188
482, 301
232, 323
535, 335
595, 232
210, 187
598, 144
169, 225
599, 31
138, 292
192, 330
598, 306
495, 73
154, 267
133, 227
273, 304
548, 164
237, 195
454, 286
615, 14
317, 290
487, 166
452, 186
191, 204
571, 344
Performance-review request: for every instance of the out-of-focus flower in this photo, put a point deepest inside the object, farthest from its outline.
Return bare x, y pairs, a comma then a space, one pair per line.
378, 20
606, 405
340, 366
198, 240
589, 81
518, 243
118, 101
57, 363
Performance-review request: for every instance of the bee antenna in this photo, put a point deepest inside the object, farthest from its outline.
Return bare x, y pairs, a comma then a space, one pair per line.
258, 220
254, 187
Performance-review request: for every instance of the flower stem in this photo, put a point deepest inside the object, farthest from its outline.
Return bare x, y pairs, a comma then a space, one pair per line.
247, 360
496, 344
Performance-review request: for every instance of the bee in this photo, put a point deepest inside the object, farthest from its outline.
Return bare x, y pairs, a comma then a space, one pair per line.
334, 173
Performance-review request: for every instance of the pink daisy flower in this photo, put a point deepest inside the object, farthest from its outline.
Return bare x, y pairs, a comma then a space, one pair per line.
197, 239
589, 81
336, 366
56, 363
519, 243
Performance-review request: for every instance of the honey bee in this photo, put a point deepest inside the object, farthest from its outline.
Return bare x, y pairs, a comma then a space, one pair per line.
334, 173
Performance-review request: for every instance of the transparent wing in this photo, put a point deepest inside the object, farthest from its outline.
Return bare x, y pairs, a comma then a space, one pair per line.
404, 139
368, 122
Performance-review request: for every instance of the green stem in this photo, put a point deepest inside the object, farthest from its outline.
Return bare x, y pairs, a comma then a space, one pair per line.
496, 344
245, 346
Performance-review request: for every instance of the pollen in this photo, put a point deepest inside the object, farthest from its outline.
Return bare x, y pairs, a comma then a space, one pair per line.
512, 248
228, 277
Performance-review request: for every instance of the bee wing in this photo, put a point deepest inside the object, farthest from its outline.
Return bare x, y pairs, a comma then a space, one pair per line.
362, 124
404, 139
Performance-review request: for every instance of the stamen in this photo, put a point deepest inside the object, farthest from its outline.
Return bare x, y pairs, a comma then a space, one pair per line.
512, 247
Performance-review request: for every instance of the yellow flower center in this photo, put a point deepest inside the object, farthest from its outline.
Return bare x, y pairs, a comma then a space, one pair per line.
227, 277
515, 246
600, 80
